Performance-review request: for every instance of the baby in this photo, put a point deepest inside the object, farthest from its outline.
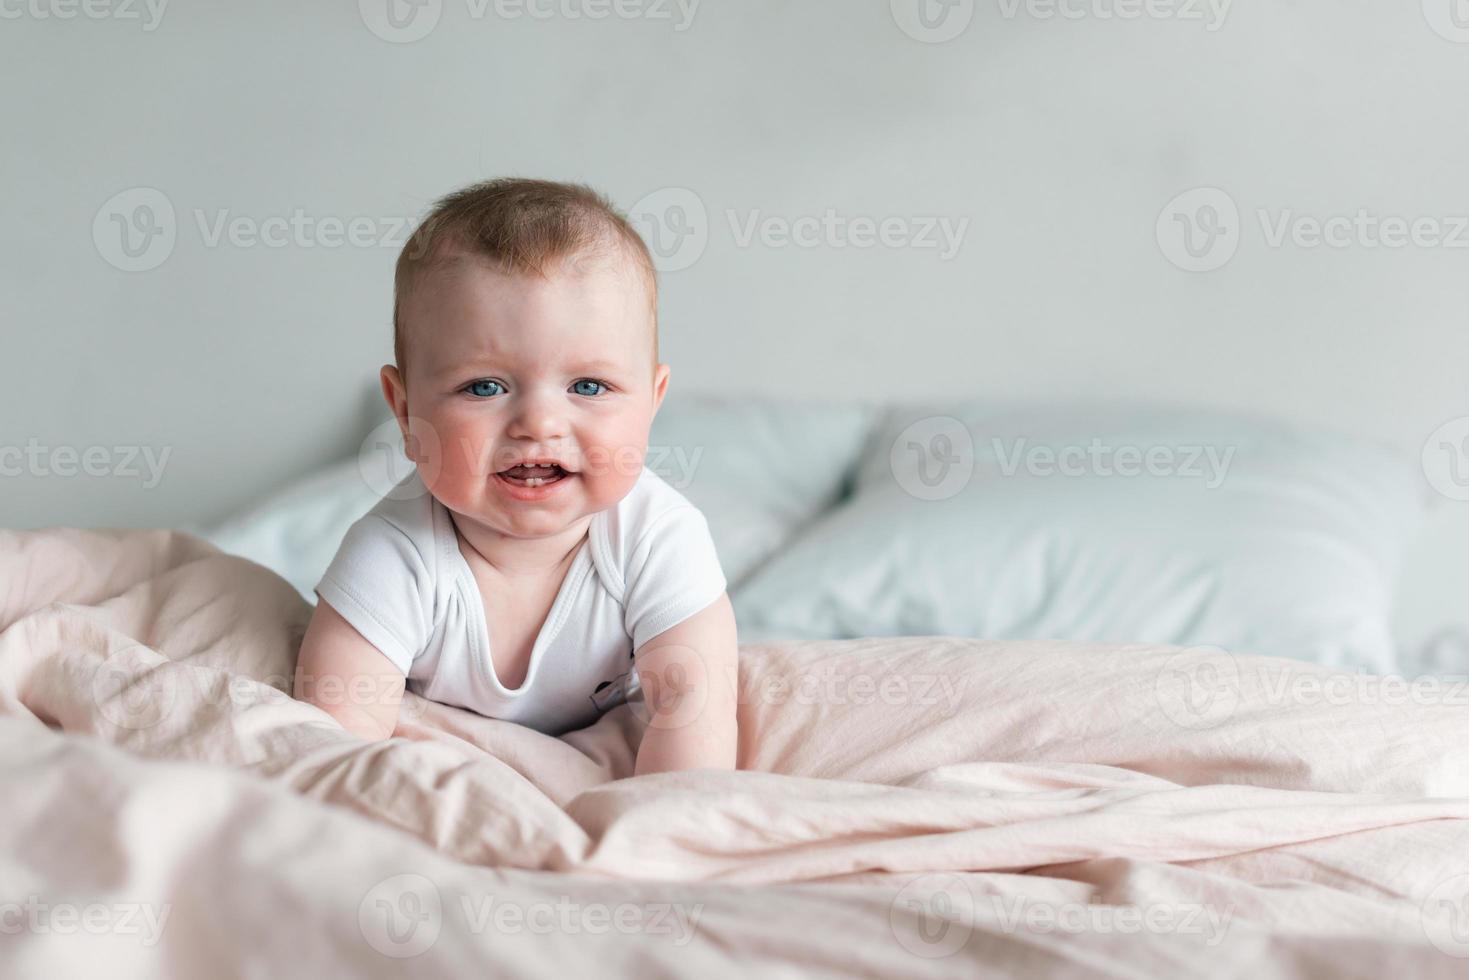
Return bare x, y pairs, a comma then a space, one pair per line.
532, 568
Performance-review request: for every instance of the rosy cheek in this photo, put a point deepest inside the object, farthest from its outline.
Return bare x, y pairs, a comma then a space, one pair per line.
449, 455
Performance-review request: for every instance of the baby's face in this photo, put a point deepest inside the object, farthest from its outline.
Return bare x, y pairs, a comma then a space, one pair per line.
504, 369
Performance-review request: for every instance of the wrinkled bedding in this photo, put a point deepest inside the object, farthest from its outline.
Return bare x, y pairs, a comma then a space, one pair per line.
904, 806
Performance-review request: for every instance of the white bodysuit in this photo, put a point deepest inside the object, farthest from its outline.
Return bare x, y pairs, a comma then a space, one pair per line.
647, 564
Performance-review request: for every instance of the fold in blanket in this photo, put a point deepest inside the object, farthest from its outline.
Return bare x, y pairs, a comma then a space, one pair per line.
908, 775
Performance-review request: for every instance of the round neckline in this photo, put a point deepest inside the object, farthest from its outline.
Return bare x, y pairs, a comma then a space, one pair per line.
469, 594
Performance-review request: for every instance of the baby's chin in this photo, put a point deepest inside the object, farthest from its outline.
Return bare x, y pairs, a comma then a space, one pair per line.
531, 512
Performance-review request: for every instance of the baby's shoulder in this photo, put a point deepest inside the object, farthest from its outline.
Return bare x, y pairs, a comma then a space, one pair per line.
646, 505
406, 518
652, 512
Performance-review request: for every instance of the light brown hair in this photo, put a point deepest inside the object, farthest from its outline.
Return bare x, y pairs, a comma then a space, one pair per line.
520, 226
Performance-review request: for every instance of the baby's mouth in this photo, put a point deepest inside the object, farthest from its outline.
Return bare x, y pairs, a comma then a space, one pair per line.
534, 475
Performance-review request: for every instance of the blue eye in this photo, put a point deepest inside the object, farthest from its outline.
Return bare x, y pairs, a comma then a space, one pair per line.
484, 388
597, 386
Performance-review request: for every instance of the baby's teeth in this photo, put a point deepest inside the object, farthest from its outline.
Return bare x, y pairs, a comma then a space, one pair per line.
534, 481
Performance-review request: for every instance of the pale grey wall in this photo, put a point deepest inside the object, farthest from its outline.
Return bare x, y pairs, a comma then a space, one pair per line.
1059, 140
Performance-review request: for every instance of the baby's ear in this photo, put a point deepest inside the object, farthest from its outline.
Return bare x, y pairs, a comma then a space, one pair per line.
395, 392
660, 385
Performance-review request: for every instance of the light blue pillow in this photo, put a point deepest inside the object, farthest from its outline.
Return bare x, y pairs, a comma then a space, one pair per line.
759, 469
993, 520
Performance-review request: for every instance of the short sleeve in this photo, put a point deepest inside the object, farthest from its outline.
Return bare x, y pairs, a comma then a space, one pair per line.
379, 583
673, 572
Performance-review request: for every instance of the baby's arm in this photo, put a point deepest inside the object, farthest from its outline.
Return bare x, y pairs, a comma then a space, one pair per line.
689, 675
347, 677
